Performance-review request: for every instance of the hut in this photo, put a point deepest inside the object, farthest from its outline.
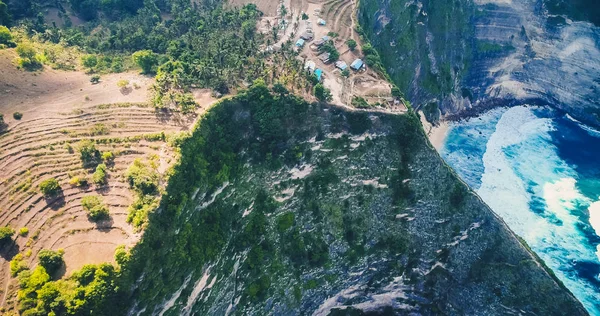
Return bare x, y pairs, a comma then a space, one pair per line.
341, 65
324, 57
357, 64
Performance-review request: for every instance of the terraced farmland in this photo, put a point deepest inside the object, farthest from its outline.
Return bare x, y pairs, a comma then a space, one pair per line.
60, 110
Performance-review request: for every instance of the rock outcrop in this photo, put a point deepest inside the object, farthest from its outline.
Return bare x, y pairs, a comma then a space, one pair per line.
466, 56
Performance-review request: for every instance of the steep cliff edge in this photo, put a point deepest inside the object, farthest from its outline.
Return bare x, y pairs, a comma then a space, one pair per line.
465, 56
288, 208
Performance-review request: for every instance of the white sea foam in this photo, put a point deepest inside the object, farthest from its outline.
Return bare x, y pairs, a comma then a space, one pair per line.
536, 192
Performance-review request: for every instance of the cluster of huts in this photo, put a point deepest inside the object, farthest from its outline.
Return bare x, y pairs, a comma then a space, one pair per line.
324, 57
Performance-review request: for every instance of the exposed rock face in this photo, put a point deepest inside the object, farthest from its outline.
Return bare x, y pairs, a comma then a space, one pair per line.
469, 55
358, 214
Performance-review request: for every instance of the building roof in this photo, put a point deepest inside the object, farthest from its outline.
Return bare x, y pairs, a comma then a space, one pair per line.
341, 64
318, 73
324, 57
310, 65
319, 42
300, 42
321, 22
357, 64
307, 36
326, 38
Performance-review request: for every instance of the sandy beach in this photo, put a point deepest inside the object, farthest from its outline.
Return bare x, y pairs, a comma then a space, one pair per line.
437, 134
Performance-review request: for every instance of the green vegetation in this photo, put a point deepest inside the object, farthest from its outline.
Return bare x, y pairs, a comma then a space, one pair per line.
142, 177
95, 207
90, 156
5, 18
99, 129
285, 221
123, 84
28, 59
147, 60
50, 187
360, 102
89, 291
351, 44
6, 234
99, 176
329, 47
323, 94
108, 157
95, 79
23, 231
78, 181
17, 264
6, 38
17, 115
51, 260
448, 23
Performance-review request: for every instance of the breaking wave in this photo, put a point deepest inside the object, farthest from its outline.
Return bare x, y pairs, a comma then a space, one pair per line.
538, 170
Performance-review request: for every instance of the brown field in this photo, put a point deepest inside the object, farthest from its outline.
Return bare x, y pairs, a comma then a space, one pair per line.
59, 109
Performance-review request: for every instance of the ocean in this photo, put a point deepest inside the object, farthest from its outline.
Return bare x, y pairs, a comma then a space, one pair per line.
539, 169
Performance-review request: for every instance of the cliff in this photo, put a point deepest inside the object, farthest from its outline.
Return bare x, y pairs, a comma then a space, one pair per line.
288, 208
465, 56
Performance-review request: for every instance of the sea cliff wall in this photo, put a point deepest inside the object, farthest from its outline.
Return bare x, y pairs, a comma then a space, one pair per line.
465, 56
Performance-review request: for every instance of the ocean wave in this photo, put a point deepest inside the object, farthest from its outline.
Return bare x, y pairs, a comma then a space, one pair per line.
526, 181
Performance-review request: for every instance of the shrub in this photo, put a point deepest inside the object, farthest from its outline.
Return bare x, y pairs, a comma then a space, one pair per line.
89, 61
6, 234
99, 176
95, 207
6, 38
457, 195
142, 178
17, 115
360, 102
50, 187
99, 129
28, 58
346, 73
23, 231
285, 221
323, 94
146, 59
122, 83
78, 181
304, 16
396, 92
51, 260
122, 255
108, 156
89, 155
351, 44
95, 79
17, 264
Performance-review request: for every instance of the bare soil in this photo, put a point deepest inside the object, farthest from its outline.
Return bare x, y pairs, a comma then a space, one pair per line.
59, 109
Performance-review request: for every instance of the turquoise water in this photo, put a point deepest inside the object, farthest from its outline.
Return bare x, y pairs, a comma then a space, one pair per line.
539, 170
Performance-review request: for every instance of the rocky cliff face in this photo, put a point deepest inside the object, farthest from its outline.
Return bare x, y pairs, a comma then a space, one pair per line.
464, 56
345, 213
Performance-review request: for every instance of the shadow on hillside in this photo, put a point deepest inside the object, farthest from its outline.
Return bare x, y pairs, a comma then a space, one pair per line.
105, 225
56, 202
60, 272
9, 249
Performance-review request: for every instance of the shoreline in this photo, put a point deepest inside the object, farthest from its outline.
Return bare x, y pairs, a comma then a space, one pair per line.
436, 134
